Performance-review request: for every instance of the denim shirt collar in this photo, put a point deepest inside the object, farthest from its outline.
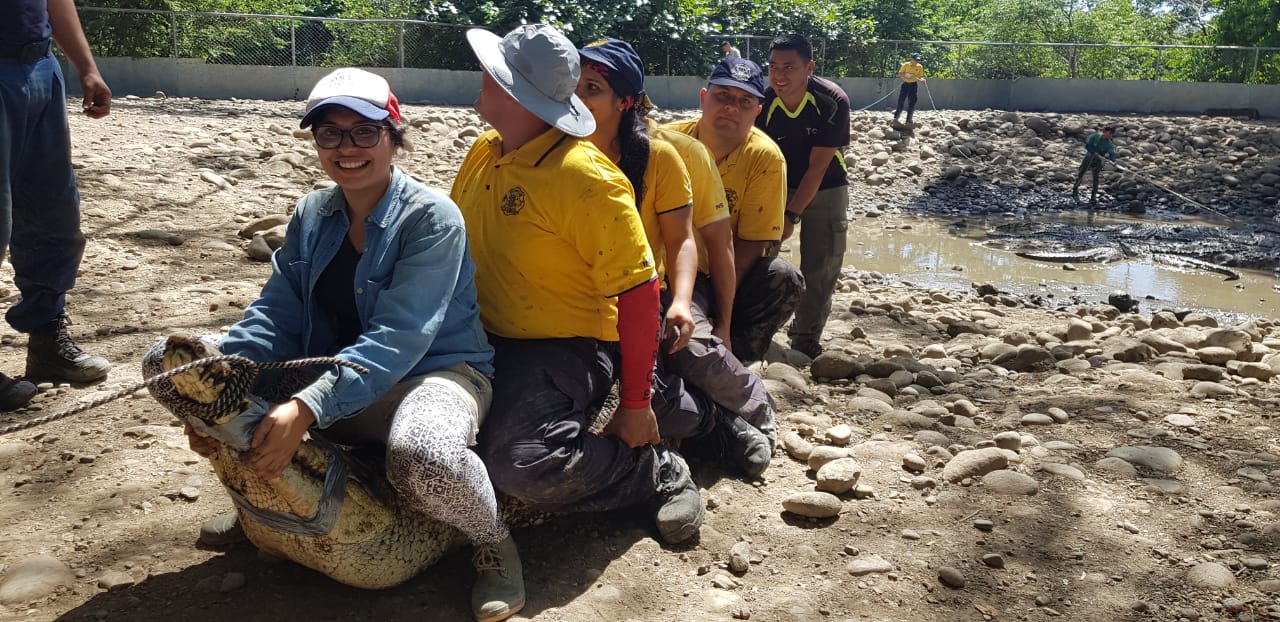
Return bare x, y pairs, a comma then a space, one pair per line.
384, 213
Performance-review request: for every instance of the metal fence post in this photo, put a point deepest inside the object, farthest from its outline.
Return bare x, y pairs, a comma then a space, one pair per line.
1159, 62
400, 40
293, 43
1253, 75
173, 28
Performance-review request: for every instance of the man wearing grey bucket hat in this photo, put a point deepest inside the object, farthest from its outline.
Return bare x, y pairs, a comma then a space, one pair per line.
567, 292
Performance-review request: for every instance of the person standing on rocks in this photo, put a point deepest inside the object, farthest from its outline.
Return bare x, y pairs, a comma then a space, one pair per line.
1099, 145
39, 203
808, 117
410, 318
568, 294
753, 172
612, 87
912, 74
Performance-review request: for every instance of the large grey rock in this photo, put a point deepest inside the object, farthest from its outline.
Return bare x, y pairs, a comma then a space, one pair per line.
1063, 470
975, 463
1128, 350
1158, 458
1006, 482
868, 565
1210, 576
839, 476
813, 504
1116, 466
1027, 358
823, 454
834, 364
1233, 339
867, 404
1214, 355
34, 578
1211, 389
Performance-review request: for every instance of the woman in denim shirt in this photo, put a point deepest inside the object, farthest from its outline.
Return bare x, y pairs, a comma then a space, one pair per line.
377, 271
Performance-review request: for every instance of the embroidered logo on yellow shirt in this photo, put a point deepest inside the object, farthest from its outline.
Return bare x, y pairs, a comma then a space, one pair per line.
513, 201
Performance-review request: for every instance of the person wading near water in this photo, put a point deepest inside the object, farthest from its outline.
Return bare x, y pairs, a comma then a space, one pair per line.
1099, 145
808, 117
912, 74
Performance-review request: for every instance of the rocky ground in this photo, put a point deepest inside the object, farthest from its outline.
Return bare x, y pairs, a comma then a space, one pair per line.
955, 455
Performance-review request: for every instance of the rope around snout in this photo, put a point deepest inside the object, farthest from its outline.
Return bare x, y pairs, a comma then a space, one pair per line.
151, 382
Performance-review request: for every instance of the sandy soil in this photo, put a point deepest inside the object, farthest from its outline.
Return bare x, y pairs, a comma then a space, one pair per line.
115, 495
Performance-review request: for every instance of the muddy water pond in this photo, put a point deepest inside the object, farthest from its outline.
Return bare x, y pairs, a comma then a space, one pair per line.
936, 253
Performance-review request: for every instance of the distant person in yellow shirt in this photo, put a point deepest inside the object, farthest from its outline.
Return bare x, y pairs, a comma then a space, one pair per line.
912, 74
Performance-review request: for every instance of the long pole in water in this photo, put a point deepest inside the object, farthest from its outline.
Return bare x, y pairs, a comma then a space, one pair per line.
1170, 190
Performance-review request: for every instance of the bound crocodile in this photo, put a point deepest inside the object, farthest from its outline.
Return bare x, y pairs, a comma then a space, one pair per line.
1188, 247
330, 511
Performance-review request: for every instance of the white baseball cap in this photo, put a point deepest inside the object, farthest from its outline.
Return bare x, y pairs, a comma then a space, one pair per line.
364, 93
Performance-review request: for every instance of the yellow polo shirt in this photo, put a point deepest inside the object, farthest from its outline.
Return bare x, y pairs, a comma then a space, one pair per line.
914, 71
667, 188
755, 184
709, 202
555, 236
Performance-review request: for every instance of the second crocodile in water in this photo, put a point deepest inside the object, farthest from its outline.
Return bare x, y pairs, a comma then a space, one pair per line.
1183, 246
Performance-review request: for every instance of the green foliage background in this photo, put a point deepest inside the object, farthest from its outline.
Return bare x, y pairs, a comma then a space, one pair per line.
681, 37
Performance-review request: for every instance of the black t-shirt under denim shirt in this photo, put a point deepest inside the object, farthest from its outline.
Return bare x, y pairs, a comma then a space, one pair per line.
25, 21
336, 296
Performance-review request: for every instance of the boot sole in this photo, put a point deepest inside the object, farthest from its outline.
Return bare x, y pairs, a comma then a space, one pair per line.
498, 617
64, 376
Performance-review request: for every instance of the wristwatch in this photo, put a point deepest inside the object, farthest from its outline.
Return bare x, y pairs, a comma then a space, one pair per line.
793, 217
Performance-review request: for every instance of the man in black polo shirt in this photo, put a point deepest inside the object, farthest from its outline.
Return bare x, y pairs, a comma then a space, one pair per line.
38, 197
808, 117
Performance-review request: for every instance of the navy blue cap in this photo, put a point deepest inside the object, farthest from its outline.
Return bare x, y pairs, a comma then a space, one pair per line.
740, 73
915, 56
626, 74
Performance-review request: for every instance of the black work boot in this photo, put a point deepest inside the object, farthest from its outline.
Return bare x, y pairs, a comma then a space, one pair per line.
680, 510
742, 443
15, 394
52, 355
735, 441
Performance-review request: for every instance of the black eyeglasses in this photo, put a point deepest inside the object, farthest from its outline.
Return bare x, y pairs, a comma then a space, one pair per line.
365, 135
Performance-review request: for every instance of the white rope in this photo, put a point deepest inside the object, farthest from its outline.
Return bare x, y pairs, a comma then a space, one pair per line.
886, 96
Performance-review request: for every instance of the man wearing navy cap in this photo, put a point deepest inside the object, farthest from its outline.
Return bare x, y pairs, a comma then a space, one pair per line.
39, 204
753, 171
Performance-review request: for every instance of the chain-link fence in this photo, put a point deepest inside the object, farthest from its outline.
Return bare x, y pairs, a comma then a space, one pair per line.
230, 38
1004, 61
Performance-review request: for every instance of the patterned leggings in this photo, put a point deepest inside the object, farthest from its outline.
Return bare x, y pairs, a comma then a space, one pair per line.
427, 423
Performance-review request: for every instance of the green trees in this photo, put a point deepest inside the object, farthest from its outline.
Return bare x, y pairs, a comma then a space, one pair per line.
681, 36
